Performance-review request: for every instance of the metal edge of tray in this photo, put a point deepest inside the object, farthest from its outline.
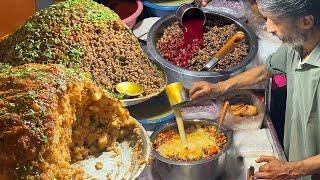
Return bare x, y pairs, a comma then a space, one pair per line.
267, 123
146, 150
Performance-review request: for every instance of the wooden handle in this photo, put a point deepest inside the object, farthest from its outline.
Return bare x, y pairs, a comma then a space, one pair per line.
223, 112
232, 43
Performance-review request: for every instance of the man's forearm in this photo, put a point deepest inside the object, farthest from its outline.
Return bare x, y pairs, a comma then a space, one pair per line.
307, 167
248, 78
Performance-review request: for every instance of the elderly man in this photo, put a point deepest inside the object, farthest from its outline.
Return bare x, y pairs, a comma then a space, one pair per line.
297, 24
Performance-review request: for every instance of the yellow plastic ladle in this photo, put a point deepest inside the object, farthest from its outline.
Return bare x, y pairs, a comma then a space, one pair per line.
129, 88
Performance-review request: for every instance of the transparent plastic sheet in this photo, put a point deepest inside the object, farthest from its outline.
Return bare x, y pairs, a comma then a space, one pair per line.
244, 123
211, 109
233, 7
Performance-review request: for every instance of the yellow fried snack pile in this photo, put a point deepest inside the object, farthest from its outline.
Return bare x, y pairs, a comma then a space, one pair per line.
243, 110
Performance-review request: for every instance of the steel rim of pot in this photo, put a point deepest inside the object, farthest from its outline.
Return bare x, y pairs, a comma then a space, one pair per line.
252, 40
156, 155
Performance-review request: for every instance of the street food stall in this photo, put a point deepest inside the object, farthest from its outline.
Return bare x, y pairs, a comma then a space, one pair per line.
99, 90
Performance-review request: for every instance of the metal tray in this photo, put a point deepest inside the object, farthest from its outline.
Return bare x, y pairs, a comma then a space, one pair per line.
118, 166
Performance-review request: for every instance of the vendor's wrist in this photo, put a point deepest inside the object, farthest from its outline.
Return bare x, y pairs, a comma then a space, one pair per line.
218, 89
296, 169
227, 86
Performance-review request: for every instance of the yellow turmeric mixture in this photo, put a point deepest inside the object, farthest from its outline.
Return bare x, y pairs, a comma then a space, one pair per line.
202, 143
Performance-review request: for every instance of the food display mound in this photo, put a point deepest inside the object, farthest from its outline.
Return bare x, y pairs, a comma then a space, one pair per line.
85, 35
203, 142
195, 57
51, 117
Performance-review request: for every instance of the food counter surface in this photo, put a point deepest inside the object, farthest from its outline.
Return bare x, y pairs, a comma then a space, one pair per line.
241, 154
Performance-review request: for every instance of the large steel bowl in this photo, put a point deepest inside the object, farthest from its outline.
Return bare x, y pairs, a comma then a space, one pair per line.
188, 77
211, 168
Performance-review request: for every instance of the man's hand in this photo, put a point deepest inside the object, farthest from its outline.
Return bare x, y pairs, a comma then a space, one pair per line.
203, 2
206, 89
274, 169
246, 79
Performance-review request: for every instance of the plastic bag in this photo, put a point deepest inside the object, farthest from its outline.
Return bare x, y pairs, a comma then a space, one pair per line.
206, 110
244, 123
233, 7
211, 109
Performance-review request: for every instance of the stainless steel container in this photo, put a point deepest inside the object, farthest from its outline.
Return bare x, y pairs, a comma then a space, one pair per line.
176, 93
188, 77
194, 170
189, 11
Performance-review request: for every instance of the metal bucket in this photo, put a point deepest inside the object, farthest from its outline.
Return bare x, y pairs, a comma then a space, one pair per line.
189, 11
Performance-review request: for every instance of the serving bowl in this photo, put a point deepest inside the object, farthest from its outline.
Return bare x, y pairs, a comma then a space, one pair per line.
191, 170
132, 19
128, 10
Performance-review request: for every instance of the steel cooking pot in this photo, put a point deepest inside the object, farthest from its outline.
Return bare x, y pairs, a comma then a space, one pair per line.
188, 77
211, 168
